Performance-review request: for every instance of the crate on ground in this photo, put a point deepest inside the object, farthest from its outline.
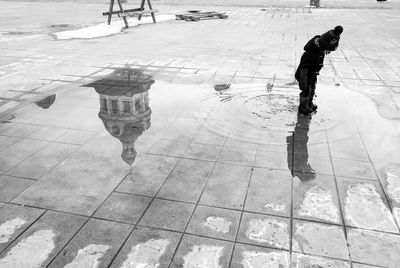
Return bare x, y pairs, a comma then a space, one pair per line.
196, 15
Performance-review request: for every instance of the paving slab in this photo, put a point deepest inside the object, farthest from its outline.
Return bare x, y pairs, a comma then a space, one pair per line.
263, 230
123, 208
304, 261
315, 198
374, 248
187, 174
146, 246
269, 192
224, 177
148, 176
253, 256
169, 215
12, 186
195, 251
359, 198
319, 239
214, 223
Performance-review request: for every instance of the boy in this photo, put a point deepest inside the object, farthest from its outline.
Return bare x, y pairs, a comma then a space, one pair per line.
311, 63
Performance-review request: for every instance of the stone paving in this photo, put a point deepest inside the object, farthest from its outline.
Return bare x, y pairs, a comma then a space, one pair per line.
178, 144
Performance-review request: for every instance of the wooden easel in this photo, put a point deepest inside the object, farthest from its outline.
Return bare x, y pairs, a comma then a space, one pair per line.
130, 12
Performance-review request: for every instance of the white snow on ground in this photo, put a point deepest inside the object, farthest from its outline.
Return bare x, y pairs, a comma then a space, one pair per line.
104, 29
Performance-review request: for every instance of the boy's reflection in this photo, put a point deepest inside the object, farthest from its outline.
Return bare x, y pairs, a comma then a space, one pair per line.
297, 151
124, 107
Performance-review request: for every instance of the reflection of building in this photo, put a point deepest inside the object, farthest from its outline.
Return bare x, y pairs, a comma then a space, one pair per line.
124, 107
46, 102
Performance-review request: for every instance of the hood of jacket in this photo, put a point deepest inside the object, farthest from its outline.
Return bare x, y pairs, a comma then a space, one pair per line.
311, 46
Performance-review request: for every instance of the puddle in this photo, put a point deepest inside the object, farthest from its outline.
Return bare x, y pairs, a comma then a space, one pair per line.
9, 227
255, 259
88, 256
218, 224
318, 203
146, 254
203, 257
364, 208
31, 251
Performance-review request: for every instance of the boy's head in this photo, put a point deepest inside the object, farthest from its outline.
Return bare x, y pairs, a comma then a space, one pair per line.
330, 39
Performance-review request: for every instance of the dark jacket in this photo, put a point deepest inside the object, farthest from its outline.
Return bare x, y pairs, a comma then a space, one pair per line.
312, 59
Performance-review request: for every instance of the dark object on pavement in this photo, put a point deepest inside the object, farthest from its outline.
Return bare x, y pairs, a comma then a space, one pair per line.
46, 102
220, 87
196, 15
315, 3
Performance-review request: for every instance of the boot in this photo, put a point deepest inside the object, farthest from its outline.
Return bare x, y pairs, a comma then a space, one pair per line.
312, 105
303, 107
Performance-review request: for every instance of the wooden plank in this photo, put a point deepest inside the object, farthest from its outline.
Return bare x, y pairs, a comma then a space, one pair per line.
126, 10
136, 13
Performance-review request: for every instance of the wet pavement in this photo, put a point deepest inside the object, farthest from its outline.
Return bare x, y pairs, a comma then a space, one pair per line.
183, 148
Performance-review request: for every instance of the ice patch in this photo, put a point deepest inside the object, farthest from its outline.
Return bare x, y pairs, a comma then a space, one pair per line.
9, 227
146, 255
269, 231
203, 257
104, 29
88, 256
364, 208
218, 224
255, 259
276, 207
318, 203
30, 252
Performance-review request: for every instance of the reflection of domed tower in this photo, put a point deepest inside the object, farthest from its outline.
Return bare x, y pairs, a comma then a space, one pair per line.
124, 107
46, 102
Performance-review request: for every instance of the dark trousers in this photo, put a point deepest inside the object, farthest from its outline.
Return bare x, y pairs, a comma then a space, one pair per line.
306, 83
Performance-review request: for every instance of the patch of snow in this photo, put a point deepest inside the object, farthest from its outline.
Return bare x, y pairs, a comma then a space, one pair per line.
218, 224
203, 257
146, 255
104, 29
9, 227
88, 256
318, 203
